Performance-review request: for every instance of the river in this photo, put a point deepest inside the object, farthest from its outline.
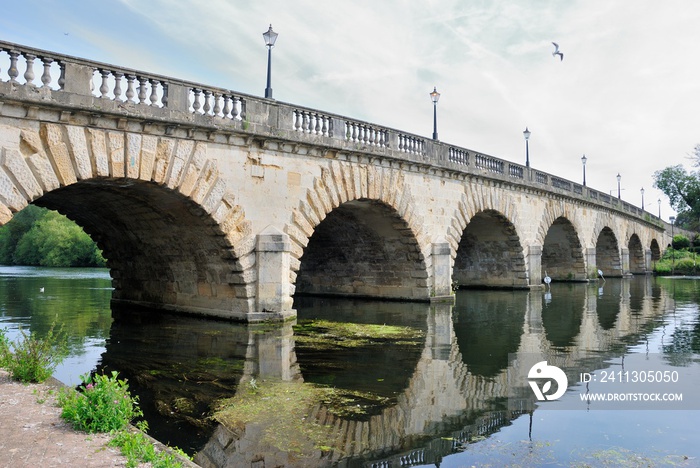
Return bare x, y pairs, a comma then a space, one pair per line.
387, 383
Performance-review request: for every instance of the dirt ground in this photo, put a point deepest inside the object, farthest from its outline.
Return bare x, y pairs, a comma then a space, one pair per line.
32, 432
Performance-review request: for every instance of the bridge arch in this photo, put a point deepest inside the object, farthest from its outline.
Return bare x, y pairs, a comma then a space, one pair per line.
489, 253
562, 252
174, 237
607, 253
356, 234
636, 255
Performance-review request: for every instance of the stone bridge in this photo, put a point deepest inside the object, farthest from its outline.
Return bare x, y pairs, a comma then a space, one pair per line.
213, 202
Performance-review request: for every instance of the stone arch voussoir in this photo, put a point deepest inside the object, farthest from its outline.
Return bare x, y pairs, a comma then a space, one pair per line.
341, 182
59, 155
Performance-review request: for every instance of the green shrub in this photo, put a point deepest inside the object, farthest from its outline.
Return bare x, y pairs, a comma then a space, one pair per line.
4, 348
33, 359
103, 404
680, 242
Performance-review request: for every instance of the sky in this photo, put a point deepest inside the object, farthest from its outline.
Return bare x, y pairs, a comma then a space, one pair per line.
625, 94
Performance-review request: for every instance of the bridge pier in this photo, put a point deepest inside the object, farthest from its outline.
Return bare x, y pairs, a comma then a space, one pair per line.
625, 262
442, 270
534, 266
273, 294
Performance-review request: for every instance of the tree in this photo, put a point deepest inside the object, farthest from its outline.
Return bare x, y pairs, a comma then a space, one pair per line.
683, 191
42, 237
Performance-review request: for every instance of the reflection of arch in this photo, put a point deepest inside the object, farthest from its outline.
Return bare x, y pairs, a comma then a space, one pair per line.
562, 254
355, 234
607, 253
489, 253
636, 252
156, 206
561, 319
487, 329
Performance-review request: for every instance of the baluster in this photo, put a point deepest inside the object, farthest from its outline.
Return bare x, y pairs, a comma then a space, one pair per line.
142, 89
307, 122
227, 105
12, 71
130, 91
217, 105
324, 126
297, 120
402, 143
196, 104
164, 99
118, 86
238, 109
317, 129
46, 76
207, 106
104, 89
154, 92
29, 72
62, 77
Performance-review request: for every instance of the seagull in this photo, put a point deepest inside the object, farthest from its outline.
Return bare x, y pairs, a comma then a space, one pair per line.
556, 52
41, 289
547, 279
600, 273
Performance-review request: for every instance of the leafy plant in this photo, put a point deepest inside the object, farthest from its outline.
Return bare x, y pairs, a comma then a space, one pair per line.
103, 404
33, 359
137, 448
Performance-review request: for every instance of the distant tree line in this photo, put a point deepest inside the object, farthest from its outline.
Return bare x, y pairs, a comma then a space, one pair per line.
39, 237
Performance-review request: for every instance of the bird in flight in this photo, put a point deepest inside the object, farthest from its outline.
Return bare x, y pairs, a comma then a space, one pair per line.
556, 52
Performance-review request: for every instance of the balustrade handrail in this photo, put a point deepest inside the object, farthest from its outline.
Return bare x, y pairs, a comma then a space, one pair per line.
211, 101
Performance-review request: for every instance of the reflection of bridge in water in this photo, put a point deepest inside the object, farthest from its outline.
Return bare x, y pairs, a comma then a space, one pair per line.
447, 401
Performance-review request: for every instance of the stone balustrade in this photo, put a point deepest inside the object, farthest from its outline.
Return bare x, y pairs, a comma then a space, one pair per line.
76, 85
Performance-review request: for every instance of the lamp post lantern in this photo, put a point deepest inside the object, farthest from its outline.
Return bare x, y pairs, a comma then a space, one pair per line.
526, 134
270, 37
435, 97
642, 191
618, 185
659, 201
583, 161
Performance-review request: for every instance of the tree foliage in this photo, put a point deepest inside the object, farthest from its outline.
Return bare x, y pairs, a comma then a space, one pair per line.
682, 188
40, 237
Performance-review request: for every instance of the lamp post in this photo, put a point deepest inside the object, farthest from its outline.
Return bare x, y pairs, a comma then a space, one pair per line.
526, 134
270, 37
583, 161
435, 97
642, 198
618, 185
659, 200
673, 256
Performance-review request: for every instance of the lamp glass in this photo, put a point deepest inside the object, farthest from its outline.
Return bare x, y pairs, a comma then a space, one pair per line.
270, 37
526, 134
584, 159
435, 96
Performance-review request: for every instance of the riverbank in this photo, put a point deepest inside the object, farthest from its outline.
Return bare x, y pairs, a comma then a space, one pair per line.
33, 434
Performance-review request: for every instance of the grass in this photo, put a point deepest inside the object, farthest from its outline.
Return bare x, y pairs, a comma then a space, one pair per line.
138, 448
